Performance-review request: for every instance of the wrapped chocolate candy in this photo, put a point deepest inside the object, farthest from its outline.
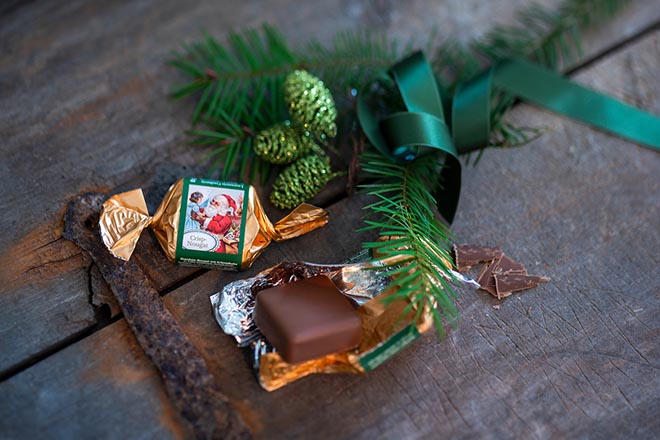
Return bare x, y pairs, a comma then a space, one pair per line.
203, 223
385, 327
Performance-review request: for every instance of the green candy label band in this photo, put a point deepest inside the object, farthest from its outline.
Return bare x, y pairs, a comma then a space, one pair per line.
211, 224
389, 348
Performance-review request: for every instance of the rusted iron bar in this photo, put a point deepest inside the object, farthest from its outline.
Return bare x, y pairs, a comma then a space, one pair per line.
191, 388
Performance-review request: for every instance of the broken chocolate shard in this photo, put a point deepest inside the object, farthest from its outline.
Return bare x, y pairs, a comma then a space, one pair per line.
506, 266
485, 279
503, 265
307, 319
466, 256
505, 284
501, 276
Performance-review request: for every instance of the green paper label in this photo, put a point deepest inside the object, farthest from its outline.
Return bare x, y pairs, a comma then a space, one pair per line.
389, 348
211, 224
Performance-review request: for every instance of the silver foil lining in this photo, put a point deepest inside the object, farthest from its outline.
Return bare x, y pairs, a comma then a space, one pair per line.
234, 304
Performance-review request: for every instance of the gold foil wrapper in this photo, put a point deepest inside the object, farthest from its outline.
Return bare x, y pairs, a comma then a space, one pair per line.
387, 327
124, 217
380, 323
259, 231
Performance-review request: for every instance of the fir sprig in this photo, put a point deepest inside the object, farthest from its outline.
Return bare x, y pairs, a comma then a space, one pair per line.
249, 67
351, 60
414, 240
253, 64
547, 36
232, 138
239, 85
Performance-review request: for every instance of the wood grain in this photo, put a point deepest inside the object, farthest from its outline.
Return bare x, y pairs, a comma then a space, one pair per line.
83, 89
225, 360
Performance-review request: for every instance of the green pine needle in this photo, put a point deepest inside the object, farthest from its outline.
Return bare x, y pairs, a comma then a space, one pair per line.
352, 59
239, 84
232, 139
547, 36
403, 210
249, 67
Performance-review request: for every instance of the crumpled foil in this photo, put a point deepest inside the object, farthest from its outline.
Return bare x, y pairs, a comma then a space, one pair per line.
387, 329
233, 306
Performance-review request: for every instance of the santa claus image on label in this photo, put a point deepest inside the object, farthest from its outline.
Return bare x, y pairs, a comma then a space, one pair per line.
211, 214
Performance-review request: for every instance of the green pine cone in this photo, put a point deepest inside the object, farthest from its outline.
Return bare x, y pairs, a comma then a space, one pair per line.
281, 144
301, 181
310, 103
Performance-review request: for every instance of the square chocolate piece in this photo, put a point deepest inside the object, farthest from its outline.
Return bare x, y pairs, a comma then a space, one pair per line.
307, 319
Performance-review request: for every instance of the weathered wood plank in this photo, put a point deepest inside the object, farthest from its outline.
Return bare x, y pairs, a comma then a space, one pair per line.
39, 319
94, 115
577, 357
83, 65
114, 366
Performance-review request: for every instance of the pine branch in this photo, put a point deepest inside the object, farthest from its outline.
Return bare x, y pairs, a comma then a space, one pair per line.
257, 62
239, 84
352, 60
546, 36
232, 139
251, 66
404, 218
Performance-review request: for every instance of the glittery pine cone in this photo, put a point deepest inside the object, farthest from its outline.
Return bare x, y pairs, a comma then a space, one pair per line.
281, 144
301, 181
310, 103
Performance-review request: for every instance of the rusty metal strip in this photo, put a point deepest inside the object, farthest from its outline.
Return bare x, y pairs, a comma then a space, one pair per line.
190, 386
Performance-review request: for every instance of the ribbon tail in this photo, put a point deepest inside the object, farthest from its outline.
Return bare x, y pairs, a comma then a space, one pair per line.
547, 89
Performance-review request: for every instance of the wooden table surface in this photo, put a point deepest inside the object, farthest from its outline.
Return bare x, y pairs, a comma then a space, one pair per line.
85, 107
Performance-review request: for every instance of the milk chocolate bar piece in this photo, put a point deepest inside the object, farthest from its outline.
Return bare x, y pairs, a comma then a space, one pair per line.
307, 319
513, 282
466, 256
485, 278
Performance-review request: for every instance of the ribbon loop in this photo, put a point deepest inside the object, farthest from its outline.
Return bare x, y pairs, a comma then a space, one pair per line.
404, 136
410, 132
471, 113
416, 83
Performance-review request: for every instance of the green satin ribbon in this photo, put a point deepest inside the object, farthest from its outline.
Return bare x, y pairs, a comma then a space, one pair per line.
404, 136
